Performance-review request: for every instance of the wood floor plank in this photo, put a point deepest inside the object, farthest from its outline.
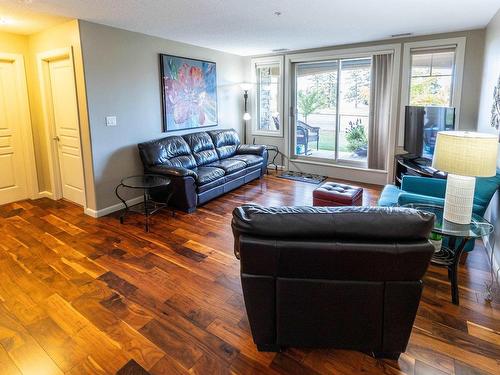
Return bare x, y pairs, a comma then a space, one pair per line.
484, 333
6, 364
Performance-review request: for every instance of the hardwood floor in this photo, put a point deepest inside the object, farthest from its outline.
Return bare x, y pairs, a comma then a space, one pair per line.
90, 296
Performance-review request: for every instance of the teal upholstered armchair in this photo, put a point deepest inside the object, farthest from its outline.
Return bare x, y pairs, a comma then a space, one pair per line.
415, 189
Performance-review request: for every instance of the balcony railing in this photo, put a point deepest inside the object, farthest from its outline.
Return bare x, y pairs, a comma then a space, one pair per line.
328, 128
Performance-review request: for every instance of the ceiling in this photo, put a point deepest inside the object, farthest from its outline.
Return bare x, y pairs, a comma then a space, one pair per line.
18, 19
251, 27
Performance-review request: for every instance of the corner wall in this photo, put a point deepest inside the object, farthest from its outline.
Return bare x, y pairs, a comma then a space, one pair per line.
60, 36
491, 75
122, 78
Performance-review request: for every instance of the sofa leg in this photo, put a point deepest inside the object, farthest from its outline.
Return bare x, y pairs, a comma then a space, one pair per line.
269, 348
387, 355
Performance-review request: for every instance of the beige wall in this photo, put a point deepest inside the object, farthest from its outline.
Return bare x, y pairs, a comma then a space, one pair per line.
60, 36
123, 79
491, 74
57, 37
471, 87
12, 43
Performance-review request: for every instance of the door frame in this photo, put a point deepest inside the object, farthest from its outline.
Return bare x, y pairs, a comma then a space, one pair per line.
43, 60
28, 148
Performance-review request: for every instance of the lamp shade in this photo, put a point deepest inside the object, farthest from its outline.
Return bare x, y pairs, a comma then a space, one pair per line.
245, 86
466, 153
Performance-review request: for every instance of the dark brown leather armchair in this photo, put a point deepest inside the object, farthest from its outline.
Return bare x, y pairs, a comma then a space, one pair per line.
343, 277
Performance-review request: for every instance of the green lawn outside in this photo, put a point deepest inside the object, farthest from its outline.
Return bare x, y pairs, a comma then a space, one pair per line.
327, 141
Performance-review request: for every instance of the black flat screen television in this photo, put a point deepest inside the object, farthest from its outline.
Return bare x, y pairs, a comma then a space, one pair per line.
421, 127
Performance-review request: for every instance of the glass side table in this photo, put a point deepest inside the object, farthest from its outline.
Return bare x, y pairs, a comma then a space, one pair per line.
458, 235
148, 206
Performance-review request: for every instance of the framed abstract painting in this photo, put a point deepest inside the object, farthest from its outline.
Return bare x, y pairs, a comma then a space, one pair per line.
189, 90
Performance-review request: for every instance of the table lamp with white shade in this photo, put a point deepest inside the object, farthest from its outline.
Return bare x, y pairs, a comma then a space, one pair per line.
465, 156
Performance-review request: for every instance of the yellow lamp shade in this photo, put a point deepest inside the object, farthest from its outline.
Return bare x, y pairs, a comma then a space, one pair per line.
466, 153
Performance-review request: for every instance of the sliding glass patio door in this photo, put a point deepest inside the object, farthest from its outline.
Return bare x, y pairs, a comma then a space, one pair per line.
331, 101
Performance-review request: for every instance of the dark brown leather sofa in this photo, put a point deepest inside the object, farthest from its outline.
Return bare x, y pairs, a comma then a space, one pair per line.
202, 165
343, 277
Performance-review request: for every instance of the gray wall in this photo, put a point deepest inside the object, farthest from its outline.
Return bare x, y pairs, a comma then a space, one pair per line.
122, 79
491, 73
471, 84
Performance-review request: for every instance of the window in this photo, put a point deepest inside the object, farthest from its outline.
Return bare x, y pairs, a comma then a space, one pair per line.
431, 80
432, 76
332, 108
268, 97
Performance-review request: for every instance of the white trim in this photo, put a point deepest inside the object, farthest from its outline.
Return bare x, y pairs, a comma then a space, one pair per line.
459, 44
336, 165
368, 51
255, 62
43, 59
370, 176
44, 194
28, 148
344, 53
116, 207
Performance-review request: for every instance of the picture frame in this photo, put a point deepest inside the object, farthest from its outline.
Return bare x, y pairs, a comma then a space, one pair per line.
189, 93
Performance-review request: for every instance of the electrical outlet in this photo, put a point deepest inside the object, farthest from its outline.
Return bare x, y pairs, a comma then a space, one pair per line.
111, 121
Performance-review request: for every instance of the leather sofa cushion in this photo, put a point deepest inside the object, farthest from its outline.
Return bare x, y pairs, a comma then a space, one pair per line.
342, 223
202, 148
183, 161
210, 185
251, 149
172, 151
226, 142
229, 165
250, 160
206, 175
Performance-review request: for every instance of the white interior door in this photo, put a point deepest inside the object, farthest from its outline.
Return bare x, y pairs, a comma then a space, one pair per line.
13, 174
67, 129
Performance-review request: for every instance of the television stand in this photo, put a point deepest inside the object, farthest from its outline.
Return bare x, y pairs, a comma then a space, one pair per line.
412, 165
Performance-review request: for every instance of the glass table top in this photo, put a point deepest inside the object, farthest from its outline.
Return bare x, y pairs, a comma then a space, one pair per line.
478, 227
146, 181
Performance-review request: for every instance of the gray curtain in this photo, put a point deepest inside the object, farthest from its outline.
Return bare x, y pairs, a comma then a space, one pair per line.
380, 107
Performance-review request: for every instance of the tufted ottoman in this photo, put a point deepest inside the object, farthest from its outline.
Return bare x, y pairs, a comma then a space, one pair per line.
335, 194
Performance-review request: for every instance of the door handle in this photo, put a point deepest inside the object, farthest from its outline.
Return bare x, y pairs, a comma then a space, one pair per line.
56, 138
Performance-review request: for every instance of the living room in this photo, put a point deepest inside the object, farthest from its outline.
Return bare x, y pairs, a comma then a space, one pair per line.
171, 175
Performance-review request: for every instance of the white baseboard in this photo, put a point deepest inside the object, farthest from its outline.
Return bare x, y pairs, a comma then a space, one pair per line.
116, 207
44, 194
280, 168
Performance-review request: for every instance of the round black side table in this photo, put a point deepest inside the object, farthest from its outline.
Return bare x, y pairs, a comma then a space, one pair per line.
148, 206
458, 235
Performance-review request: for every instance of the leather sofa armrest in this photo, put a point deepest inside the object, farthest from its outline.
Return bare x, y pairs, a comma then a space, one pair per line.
172, 171
434, 187
259, 150
407, 198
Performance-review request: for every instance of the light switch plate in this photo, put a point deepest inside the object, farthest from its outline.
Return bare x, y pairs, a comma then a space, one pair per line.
110, 120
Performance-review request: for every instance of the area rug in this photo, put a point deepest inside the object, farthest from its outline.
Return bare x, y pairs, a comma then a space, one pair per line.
303, 177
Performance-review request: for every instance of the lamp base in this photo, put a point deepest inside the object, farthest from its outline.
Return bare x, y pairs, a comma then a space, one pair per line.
459, 199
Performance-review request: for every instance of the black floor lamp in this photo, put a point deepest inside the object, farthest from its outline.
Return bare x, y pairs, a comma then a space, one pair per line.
246, 116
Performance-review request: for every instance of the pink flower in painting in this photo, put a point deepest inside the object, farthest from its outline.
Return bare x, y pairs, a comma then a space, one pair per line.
185, 91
